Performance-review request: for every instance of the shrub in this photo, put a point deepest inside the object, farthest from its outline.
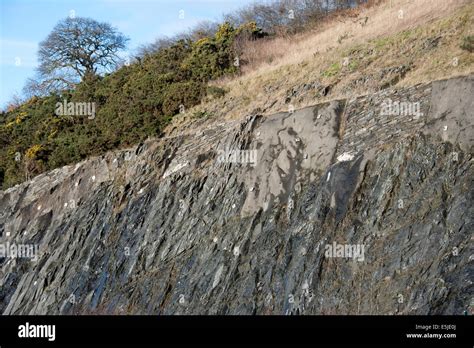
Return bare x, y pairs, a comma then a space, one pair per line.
468, 43
186, 94
211, 58
332, 70
216, 92
35, 152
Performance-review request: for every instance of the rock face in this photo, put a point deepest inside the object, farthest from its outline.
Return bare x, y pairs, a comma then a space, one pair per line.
350, 207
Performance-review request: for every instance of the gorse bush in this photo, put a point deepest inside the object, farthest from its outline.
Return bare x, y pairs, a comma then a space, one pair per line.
468, 43
211, 58
131, 104
215, 92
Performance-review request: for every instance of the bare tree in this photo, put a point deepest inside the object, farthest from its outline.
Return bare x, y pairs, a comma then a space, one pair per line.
158, 44
76, 48
199, 31
203, 29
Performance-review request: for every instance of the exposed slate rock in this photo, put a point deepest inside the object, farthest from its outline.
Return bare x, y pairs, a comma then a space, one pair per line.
172, 227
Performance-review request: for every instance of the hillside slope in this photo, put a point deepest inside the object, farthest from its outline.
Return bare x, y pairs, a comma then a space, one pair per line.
402, 43
175, 225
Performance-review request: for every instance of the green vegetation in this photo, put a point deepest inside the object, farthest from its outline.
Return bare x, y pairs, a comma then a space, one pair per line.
382, 42
353, 65
201, 114
332, 70
216, 92
468, 43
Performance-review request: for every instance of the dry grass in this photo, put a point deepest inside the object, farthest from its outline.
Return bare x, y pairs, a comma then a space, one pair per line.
382, 20
265, 51
389, 38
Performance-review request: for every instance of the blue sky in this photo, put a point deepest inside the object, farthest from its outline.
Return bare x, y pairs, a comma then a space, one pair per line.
25, 23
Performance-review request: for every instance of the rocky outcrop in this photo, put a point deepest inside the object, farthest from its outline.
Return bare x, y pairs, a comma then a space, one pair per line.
349, 207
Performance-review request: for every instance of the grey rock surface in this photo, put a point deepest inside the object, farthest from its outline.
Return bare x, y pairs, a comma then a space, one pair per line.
241, 218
